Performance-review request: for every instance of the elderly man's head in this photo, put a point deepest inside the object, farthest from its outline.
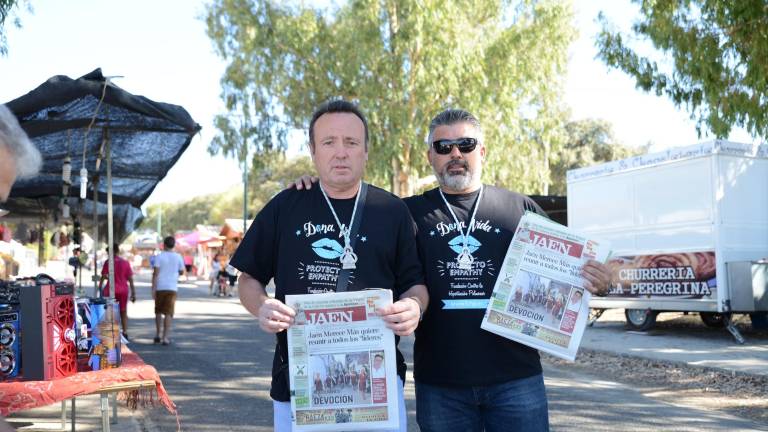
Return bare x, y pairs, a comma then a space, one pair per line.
18, 156
456, 150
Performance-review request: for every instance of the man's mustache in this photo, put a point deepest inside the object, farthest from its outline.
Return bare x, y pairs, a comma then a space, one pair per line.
456, 164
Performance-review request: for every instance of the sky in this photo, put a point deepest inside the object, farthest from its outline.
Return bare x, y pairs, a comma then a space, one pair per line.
161, 51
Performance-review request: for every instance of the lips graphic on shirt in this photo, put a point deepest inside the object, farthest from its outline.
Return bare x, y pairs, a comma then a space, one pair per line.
327, 248
457, 243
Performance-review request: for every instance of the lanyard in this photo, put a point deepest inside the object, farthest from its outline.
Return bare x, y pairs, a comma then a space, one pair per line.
348, 258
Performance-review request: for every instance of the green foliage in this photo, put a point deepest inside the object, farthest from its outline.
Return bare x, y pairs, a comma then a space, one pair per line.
588, 142
718, 68
6, 11
403, 61
274, 177
213, 209
181, 216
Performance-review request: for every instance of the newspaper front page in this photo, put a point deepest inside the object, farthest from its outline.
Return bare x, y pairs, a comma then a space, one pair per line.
539, 298
342, 363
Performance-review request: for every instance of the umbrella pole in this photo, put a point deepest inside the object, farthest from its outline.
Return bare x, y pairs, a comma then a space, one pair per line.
96, 277
110, 226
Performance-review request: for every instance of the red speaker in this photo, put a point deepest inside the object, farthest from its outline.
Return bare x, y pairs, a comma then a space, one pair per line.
48, 330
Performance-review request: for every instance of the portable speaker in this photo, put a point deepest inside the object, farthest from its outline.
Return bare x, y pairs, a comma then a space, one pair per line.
48, 326
10, 342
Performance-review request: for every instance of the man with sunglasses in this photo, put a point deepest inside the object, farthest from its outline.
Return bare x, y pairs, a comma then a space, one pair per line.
468, 379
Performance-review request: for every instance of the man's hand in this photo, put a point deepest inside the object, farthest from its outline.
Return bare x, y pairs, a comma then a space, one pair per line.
402, 316
274, 316
303, 182
597, 277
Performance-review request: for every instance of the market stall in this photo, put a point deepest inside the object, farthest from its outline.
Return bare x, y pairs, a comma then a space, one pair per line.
104, 151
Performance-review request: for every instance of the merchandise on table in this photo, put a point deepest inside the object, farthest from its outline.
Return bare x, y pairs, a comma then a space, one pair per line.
98, 334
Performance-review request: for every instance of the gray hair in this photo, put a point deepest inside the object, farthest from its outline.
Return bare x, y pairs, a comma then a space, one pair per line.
13, 137
452, 116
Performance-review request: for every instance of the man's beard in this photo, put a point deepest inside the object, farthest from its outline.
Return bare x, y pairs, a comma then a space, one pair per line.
456, 181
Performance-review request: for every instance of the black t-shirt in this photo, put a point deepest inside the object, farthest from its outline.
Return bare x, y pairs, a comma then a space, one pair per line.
451, 349
295, 240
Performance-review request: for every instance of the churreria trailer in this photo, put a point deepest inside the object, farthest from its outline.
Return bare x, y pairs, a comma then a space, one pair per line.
688, 227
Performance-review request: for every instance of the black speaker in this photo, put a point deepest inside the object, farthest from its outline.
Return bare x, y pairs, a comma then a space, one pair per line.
10, 342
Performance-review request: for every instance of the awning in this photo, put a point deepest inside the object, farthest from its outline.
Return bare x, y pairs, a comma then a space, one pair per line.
146, 140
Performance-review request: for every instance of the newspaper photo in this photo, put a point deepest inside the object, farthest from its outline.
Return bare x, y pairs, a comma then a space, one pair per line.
539, 298
342, 364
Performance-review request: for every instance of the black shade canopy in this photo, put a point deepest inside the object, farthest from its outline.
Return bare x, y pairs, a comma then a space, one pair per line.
146, 139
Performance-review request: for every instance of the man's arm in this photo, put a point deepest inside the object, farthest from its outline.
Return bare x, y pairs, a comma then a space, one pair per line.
273, 315
101, 281
155, 272
133, 289
403, 316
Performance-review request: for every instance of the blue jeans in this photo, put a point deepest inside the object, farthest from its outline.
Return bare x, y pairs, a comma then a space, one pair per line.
518, 405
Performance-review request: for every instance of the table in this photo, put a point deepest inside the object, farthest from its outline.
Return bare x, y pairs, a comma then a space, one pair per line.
140, 380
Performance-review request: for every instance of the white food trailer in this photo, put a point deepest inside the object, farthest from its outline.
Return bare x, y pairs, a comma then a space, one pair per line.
688, 228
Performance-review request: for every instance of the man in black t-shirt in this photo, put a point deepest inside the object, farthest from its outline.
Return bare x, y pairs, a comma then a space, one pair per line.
468, 379
296, 241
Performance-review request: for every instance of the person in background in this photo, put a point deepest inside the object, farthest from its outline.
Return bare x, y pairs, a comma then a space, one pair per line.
165, 280
75, 261
123, 279
19, 158
232, 274
214, 274
188, 264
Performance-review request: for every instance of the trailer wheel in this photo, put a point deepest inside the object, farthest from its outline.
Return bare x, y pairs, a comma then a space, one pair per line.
712, 319
640, 319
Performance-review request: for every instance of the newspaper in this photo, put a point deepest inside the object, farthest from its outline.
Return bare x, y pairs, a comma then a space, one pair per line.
342, 363
539, 298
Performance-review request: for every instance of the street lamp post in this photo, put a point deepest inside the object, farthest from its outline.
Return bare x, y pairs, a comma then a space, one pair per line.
245, 189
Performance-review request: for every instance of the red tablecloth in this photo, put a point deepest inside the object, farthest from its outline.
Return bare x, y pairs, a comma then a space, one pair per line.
22, 395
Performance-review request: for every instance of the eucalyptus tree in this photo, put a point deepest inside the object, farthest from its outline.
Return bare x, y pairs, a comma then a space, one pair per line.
402, 61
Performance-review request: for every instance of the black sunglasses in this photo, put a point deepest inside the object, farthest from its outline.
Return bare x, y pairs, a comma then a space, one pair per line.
444, 146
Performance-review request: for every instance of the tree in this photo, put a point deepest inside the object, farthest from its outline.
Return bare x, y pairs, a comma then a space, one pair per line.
6, 11
264, 182
274, 177
182, 216
716, 64
588, 142
402, 61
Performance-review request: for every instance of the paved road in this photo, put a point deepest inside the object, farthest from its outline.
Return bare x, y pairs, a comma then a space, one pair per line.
217, 372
